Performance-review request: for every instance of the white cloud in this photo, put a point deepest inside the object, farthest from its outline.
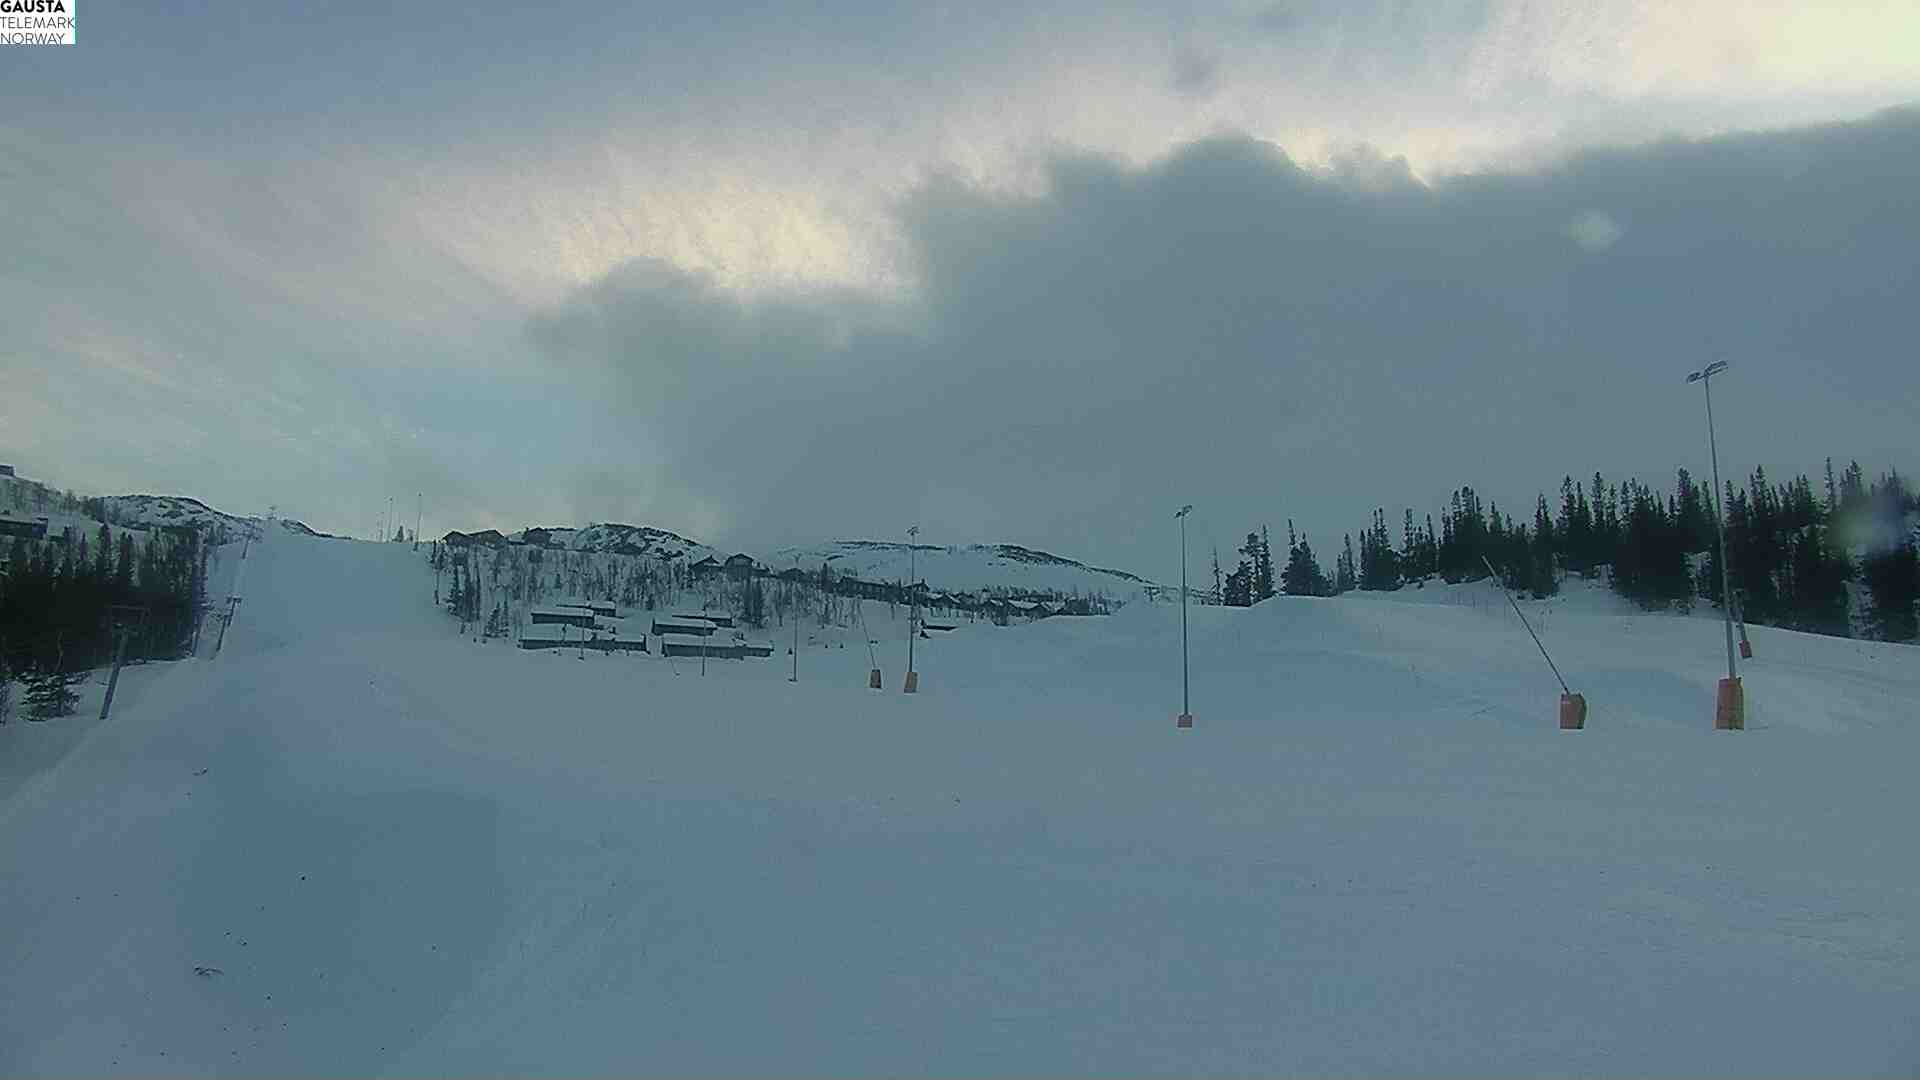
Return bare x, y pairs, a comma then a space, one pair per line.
1593, 230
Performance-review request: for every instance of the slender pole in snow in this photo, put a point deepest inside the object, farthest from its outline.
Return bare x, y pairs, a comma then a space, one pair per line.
796, 635
419, 501
1523, 622
119, 659
913, 597
233, 598
1186, 706
1705, 377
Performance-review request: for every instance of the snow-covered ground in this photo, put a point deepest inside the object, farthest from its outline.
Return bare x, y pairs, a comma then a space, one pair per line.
394, 850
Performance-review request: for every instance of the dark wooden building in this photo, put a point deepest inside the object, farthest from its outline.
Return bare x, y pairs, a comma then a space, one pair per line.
35, 529
562, 616
685, 645
484, 538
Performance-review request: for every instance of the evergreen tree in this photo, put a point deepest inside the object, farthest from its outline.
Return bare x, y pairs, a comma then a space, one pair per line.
103, 555
1541, 581
1345, 577
123, 567
1853, 487
1817, 598
1243, 581
753, 604
1571, 527
1892, 577
1606, 521
1693, 517
1649, 562
1238, 590
1380, 567
1263, 568
50, 694
1303, 576
1412, 565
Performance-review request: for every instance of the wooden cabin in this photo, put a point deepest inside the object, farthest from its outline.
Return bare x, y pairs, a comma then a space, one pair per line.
565, 616
685, 645
547, 637
35, 529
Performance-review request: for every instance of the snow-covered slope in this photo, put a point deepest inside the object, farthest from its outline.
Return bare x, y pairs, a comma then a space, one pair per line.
966, 569
390, 849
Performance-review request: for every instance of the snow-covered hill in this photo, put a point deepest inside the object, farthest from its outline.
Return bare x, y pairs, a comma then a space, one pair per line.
972, 568
613, 538
966, 569
157, 511
359, 843
22, 497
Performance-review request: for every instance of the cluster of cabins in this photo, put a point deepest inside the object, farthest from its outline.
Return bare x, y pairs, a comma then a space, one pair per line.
578, 626
561, 626
698, 635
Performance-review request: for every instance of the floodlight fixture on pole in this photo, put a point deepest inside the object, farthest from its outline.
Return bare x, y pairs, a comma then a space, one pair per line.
913, 608
1186, 706
1729, 711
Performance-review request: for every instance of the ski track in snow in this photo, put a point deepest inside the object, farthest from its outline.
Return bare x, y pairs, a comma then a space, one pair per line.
395, 850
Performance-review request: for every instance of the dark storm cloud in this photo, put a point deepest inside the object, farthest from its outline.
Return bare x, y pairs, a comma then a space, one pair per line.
1226, 328
1195, 73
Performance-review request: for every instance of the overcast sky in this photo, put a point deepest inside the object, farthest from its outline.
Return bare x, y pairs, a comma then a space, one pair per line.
1034, 272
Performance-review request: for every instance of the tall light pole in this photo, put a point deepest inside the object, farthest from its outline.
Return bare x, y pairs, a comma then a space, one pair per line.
913, 607
1186, 707
1729, 709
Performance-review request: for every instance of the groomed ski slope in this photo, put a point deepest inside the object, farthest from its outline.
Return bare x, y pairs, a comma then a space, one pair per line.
407, 853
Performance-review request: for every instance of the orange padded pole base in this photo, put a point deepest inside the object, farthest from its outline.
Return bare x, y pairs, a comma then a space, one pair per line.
1730, 707
1573, 712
